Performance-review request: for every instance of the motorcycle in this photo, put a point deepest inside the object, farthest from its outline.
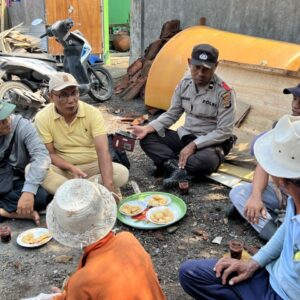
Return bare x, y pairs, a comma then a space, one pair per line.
31, 72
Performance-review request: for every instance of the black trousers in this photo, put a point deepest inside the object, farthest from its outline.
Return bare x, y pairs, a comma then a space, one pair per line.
159, 149
9, 201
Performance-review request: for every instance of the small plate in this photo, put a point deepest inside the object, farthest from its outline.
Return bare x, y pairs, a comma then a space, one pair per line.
148, 199
38, 236
141, 204
164, 210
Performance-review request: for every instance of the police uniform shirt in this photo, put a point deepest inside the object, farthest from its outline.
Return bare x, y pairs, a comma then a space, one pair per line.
210, 111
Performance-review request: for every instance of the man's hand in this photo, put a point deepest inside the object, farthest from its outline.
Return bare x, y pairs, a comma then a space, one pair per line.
185, 153
227, 266
77, 173
25, 204
141, 131
254, 208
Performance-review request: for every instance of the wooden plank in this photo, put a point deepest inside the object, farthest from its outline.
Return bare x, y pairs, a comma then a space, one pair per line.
225, 179
236, 171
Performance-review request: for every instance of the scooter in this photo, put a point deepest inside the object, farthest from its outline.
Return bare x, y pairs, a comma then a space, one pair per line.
31, 72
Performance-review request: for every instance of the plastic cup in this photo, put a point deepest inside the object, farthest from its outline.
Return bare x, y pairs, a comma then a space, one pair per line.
236, 248
5, 234
184, 187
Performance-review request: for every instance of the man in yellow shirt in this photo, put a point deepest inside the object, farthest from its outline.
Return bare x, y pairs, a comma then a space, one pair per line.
75, 136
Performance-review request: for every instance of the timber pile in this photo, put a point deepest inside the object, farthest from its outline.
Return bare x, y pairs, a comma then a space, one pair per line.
132, 84
12, 40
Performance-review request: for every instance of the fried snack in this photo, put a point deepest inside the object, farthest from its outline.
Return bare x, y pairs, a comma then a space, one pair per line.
163, 216
157, 200
130, 209
30, 239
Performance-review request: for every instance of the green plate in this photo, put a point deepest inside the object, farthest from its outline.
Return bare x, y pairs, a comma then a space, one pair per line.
177, 204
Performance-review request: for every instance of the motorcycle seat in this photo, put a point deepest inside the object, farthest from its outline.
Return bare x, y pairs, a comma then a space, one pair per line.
41, 56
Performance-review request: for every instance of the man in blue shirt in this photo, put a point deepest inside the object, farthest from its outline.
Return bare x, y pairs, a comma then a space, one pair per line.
274, 272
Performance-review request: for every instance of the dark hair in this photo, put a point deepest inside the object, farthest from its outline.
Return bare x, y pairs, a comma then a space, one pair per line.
295, 181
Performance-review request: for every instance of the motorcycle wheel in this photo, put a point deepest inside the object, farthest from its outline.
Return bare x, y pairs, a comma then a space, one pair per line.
101, 83
26, 111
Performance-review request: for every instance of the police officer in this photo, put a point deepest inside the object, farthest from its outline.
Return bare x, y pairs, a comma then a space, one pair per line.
199, 146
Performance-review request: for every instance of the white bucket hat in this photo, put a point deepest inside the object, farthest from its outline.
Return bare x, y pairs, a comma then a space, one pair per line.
278, 151
81, 213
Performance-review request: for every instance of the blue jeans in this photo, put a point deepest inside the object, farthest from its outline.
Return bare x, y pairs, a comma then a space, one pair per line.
199, 280
240, 194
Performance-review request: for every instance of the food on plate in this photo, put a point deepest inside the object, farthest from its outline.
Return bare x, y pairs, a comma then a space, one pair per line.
157, 200
162, 216
30, 239
129, 209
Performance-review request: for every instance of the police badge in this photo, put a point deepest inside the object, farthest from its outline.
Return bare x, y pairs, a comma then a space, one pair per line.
226, 98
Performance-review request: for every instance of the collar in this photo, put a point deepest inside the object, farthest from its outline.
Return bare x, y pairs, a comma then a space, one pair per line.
80, 111
94, 246
211, 86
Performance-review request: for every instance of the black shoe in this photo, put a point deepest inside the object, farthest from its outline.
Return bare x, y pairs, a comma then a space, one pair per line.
158, 172
170, 166
176, 176
232, 213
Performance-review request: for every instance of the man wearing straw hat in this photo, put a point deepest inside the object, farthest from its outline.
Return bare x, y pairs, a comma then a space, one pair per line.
260, 202
82, 216
274, 271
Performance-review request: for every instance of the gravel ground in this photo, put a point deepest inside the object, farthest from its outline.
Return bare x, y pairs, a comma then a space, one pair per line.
28, 272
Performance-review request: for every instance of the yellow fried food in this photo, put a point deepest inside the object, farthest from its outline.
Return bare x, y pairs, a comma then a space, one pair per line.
130, 209
157, 200
30, 239
163, 216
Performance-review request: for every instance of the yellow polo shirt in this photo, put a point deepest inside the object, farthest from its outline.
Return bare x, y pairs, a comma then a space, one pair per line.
72, 142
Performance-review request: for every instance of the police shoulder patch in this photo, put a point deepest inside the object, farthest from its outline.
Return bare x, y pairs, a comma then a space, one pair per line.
226, 99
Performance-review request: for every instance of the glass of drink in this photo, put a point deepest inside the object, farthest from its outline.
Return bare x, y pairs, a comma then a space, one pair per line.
236, 248
5, 234
184, 187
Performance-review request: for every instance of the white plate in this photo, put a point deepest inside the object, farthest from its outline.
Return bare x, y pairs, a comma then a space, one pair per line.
141, 204
37, 232
148, 198
161, 208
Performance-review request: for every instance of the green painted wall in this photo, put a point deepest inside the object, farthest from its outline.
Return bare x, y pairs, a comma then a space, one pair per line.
119, 11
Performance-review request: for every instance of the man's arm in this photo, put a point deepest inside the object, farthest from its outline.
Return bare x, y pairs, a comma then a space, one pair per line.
254, 205
104, 160
39, 164
171, 115
63, 164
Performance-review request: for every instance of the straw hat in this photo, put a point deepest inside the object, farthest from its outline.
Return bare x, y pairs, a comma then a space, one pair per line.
277, 151
81, 213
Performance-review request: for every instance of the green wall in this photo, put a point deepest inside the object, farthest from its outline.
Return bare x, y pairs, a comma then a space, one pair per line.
119, 11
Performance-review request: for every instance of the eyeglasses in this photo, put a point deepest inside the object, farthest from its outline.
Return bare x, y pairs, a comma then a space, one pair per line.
63, 97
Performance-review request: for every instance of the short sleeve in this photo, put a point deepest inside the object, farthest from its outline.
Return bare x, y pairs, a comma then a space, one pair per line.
42, 126
97, 123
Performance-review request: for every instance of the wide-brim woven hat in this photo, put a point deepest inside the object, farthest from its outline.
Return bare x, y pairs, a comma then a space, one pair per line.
81, 213
277, 151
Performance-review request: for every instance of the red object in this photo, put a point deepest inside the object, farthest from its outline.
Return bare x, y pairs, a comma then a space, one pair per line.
141, 216
225, 86
123, 143
5, 234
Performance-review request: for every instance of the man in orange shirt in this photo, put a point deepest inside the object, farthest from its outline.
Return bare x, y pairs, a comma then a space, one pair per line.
112, 267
